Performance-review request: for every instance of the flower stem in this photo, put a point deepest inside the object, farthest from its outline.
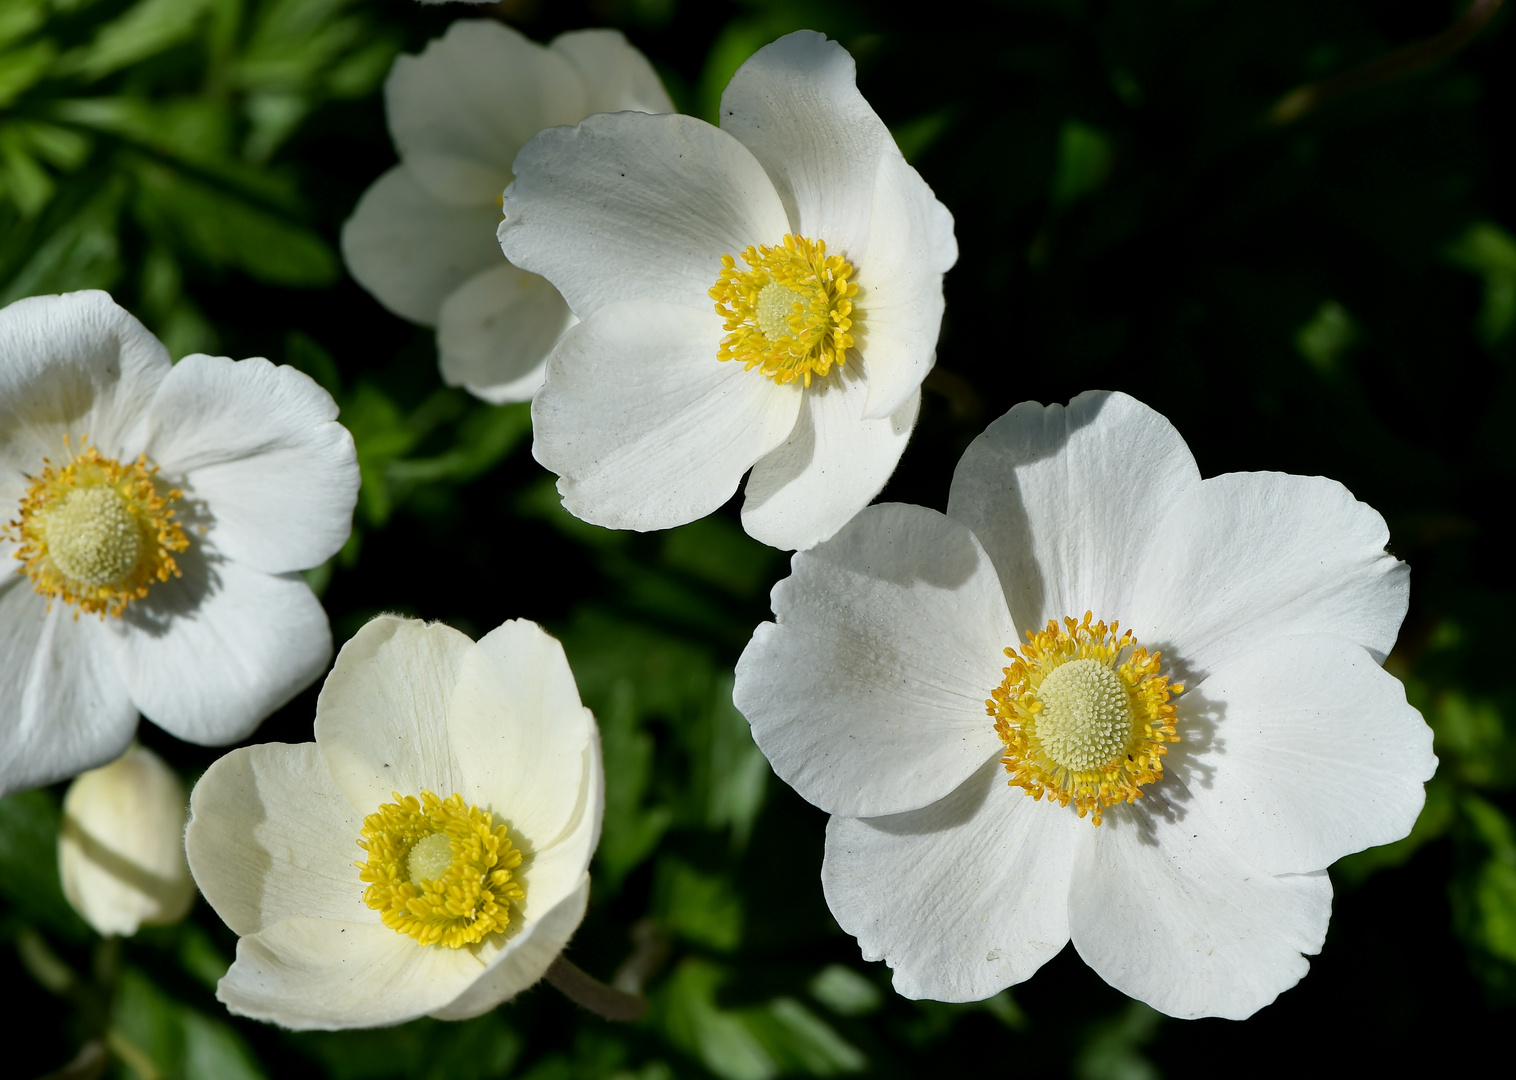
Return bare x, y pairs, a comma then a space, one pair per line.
590, 993
1412, 58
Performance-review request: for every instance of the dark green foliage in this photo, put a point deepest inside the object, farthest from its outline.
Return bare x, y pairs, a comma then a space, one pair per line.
1333, 296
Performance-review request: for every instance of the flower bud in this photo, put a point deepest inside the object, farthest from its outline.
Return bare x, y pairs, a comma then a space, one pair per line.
121, 847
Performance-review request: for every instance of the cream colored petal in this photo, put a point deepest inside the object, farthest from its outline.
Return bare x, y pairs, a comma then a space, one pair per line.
461, 110
121, 845
617, 77
524, 961
381, 720
520, 733
495, 332
272, 837
324, 975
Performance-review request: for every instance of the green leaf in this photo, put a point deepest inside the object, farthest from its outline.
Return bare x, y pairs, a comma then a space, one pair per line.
152, 1032
29, 823
1085, 156
1326, 337
844, 991
1112, 1050
1490, 251
753, 1042
146, 29
699, 907
22, 68
1494, 881
632, 828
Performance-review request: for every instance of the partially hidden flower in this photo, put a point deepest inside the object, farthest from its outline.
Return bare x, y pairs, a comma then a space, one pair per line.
121, 847
153, 517
762, 295
1101, 699
422, 238
428, 854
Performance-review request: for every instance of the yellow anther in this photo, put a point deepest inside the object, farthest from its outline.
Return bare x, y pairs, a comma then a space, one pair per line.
439, 870
792, 313
95, 533
1081, 724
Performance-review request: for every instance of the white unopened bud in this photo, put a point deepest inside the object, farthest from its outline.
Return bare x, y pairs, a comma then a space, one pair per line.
121, 847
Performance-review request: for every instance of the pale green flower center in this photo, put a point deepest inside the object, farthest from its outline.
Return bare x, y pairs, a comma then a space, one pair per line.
776, 303
93, 536
430, 858
1086, 717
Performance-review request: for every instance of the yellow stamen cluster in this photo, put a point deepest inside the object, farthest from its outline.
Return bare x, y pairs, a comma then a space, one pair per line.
439, 870
790, 313
96, 533
1080, 724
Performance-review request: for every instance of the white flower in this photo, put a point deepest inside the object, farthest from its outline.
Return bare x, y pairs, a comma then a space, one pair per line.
121, 848
824, 253
422, 238
156, 515
471, 776
1270, 597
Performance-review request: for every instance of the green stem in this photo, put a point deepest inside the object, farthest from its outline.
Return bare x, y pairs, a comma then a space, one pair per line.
590, 993
1395, 65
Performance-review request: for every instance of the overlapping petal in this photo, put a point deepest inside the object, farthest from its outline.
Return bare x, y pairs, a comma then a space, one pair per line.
1302, 750
675, 429
413, 251
636, 207
1251, 556
834, 461
76, 365
867, 695
459, 111
795, 104
1067, 502
381, 720
1166, 912
260, 448
272, 837
495, 331
962, 898
64, 709
616, 76
314, 974
208, 655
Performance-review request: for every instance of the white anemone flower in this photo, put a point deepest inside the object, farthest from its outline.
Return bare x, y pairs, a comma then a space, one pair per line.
428, 854
1178, 834
422, 238
154, 516
121, 847
823, 252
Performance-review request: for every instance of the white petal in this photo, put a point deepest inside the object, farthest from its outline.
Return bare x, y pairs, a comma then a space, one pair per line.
520, 733
635, 207
553, 872
1167, 913
323, 975
64, 708
644, 426
900, 285
495, 332
1248, 556
75, 364
411, 250
961, 899
271, 837
381, 720
832, 464
121, 845
1067, 502
867, 694
260, 447
208, 655
523, 961
617, 77
796, 106
461, 110
1302, 751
